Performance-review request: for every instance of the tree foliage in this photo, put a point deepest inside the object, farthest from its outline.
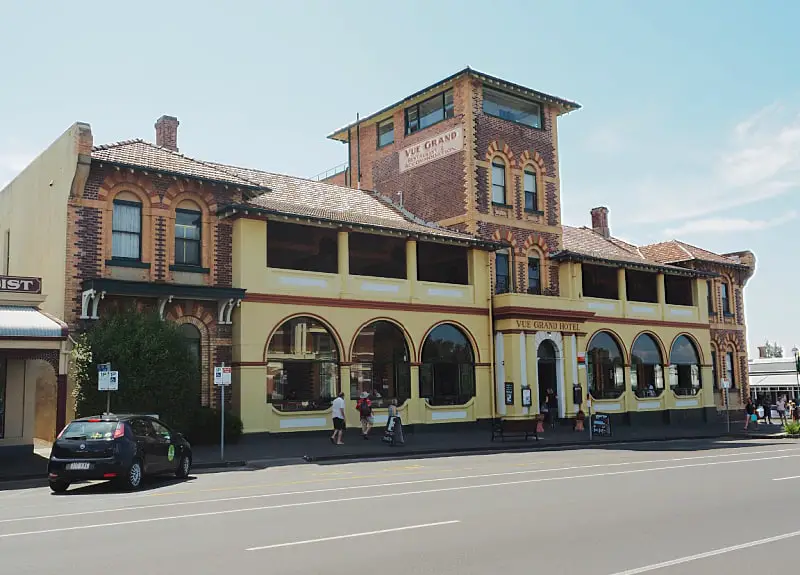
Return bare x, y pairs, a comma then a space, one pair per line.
773, 349
157, 374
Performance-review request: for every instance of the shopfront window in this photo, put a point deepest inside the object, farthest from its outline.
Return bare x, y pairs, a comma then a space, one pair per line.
605, 367
447, 373
647, 367
3, 370
302, 366
684, 369
381, 364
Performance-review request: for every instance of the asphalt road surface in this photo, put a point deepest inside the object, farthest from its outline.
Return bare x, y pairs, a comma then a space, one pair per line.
667, 508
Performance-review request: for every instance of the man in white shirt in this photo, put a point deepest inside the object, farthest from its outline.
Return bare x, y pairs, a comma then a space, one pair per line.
338, 419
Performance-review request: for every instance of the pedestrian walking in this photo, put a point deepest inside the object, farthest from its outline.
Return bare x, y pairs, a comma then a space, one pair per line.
552, 406
364, 407
337, 410
749, 413
781, 409
766, 404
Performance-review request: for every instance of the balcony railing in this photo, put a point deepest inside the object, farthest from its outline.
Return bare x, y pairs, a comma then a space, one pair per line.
331, 172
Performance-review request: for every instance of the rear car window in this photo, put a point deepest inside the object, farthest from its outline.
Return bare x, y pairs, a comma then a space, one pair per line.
90, 430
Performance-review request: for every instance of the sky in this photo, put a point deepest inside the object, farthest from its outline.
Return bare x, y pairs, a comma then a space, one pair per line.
690, 125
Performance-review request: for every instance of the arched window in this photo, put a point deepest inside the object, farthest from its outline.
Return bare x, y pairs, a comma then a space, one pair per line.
447, 373
381, 364
188, 229
605, 367
192, 337
546, 370
647, 367
498, 181
684, 369
302, 366
531, 194
126, 229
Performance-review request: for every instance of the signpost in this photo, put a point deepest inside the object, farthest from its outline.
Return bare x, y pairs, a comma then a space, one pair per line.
107, 381
726, 385
222, 378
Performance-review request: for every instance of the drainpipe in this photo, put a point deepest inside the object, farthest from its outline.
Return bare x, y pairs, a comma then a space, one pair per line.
348, 177
491, 341
358, 150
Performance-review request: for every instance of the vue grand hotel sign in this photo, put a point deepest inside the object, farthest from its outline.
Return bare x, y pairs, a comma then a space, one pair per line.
434, 148
16, 284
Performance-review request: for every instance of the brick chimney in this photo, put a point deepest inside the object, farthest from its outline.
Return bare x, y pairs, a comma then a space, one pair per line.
762, 351
167, 132
600, 221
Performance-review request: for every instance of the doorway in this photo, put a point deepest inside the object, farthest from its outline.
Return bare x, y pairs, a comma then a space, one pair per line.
546, 370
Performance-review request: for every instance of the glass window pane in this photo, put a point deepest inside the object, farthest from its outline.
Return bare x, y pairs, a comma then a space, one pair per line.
430, 112
187, 225
511, 108
127, 218
412, 120
3, 369
501, 263
530, 182
187, 252
385, 133
449, 107
125, 245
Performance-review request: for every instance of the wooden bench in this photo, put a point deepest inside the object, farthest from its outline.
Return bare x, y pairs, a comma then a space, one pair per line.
514, 429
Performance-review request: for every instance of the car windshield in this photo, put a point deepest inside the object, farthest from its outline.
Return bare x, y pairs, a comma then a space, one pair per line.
90, 430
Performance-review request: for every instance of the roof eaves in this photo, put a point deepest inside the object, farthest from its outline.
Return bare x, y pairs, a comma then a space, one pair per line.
230, 210
567, 255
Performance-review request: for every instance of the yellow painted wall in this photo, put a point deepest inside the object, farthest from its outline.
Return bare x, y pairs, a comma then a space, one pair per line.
33, 207
254, 321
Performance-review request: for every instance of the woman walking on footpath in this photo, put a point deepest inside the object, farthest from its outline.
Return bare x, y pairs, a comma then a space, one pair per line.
781, 409
397, 425
749, 413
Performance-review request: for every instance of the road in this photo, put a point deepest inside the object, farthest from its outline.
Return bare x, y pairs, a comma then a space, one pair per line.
665, 508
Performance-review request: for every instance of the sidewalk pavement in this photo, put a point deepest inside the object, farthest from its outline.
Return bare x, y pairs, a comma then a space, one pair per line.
264, 450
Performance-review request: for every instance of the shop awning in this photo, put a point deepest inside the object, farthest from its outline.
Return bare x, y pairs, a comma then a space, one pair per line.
26, 322
773, 381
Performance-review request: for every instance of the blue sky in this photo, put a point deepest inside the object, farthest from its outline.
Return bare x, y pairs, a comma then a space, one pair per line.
690, 124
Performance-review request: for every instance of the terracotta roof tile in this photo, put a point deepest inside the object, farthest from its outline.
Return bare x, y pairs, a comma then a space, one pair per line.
675, 251
587, 242
141, 154
309, 198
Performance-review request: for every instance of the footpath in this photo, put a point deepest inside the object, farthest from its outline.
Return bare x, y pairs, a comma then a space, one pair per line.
260, 451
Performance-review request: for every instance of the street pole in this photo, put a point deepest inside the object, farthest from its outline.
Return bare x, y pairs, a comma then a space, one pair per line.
222, 417
728, 410
589, 403
108, 403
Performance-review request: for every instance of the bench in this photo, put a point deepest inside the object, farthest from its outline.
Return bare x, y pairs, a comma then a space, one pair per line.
514, 429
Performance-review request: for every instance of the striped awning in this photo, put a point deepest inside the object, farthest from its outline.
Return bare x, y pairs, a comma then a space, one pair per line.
29, 323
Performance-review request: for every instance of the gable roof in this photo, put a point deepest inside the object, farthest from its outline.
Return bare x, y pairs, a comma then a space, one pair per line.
144, 155
675, 251
565, 105
319, 201
585, 244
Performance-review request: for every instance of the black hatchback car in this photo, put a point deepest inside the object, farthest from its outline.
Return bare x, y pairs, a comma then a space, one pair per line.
121, 448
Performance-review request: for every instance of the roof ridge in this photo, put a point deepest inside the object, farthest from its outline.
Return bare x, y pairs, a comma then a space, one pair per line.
117, 144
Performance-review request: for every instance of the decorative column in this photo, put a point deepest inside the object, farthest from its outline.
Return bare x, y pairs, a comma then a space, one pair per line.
661, 291
523, 369
415, 404
411, 260
622, 289
343, 249
500, 372
573, 342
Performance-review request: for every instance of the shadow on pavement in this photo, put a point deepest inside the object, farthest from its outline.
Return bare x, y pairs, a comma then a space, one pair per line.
149, 484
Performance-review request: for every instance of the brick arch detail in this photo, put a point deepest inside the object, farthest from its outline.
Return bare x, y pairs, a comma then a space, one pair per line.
535, 160
125, 180
206, 360
534, 241
187, 190
503, 150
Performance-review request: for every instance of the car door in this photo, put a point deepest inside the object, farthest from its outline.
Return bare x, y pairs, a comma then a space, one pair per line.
146, 440
165, 451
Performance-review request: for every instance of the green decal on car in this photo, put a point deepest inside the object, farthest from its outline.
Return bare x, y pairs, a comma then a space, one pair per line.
171, 454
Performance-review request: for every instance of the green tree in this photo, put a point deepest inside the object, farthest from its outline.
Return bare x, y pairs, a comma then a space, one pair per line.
157, 374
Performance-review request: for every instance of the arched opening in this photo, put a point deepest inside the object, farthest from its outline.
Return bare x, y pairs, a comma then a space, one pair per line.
546, 373
302, 366
447, 373
381, 364
684, 369
647, 371
605, 367
193, 339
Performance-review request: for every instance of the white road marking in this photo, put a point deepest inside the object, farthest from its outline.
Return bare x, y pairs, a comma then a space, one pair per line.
365, 534
379, 496
708, 554
785, 478
401, 483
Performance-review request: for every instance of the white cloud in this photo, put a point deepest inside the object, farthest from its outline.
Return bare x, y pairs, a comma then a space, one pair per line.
761, 160
11, 164
725, 225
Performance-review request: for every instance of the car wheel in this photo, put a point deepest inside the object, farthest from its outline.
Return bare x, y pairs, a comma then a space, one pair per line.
184, 467
59, 486
133, 479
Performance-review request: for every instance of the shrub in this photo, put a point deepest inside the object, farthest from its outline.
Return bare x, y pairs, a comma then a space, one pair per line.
792, 428
156, 371
205, 424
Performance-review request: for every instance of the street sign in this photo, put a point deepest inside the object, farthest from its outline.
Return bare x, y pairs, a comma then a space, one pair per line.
108, 380
222, 375
101, 367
